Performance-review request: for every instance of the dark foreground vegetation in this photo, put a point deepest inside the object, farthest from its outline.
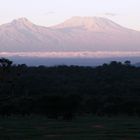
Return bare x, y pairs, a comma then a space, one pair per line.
63, 92
80, 128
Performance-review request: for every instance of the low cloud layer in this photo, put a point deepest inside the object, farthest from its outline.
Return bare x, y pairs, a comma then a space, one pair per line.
84, 54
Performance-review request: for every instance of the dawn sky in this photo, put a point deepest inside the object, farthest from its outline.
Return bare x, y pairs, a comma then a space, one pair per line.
50, 12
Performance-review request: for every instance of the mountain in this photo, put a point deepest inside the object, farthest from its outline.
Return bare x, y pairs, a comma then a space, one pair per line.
22, 35
95, 24
75, 34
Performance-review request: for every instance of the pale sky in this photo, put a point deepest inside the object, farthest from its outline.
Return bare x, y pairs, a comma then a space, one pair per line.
51, 12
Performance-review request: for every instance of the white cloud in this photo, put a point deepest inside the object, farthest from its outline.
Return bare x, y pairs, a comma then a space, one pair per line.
110, 14
84, 54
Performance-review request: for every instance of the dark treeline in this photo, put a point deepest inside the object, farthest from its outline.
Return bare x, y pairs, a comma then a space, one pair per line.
66, 91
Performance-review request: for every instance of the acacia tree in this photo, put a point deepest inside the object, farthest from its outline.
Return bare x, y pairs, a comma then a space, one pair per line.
5, 75
5, 63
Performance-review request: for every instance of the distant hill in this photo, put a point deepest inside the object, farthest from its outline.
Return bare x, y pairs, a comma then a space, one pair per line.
137, 64
75, 34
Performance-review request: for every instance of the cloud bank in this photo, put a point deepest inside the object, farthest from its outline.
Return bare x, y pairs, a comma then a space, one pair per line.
80, 54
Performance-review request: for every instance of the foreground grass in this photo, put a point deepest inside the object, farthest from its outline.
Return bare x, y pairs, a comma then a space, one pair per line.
82, 128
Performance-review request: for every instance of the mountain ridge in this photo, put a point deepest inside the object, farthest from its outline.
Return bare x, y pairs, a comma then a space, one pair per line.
74, 34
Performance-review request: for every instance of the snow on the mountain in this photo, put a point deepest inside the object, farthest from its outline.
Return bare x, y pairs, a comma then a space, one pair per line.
77, 34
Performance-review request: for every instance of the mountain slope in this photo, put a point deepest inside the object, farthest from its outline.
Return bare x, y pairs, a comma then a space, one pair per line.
90, 23
75, 34
22, 35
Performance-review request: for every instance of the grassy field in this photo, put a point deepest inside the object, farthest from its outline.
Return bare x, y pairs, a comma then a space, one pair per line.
83, 128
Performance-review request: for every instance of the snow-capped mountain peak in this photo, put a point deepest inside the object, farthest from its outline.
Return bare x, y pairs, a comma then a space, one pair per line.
90, 23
